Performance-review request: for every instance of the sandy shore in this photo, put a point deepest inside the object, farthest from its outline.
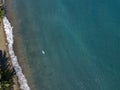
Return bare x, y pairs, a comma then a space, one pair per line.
3, 47
3, 43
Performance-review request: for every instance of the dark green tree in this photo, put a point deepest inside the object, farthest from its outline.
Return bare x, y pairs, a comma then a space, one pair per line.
7, 72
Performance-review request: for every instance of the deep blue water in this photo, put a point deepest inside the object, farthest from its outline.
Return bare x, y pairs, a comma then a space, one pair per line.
81, 39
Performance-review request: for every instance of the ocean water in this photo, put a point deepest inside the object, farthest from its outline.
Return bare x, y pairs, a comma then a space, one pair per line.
71, 44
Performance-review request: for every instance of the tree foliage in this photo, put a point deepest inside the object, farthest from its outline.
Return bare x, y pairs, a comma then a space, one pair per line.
6, 72
2, 10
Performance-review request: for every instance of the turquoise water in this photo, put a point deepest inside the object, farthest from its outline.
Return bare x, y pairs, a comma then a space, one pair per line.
81, 41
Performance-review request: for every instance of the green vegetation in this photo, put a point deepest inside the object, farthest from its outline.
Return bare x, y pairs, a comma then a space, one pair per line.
1, 13
1, 10
6, 72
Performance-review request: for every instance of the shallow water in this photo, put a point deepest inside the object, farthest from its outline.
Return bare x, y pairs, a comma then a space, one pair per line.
71, 44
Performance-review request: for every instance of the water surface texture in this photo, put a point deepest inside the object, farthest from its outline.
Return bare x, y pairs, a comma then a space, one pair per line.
71, 44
